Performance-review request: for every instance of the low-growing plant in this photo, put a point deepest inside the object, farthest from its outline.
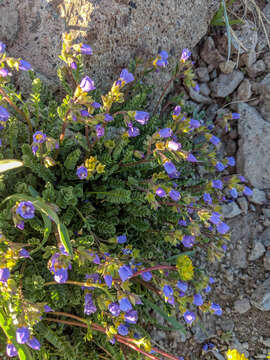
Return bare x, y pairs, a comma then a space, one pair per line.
103, 207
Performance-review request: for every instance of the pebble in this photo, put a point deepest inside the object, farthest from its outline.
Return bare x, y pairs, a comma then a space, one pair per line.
202, 73
242, 306
266, 342
258, 197
257, 251
256, 69
225, 84
227, 67
205, 89
265, 237
244, 91
243, 203
266, 261
227, 325
210, 54
248, 59
231, 210
199, 98
261, 296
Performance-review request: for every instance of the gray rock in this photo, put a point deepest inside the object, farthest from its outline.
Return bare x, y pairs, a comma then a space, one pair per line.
264, 89
242, 306
266, 59
211, 111
266, 342
253, 157
261, 297
227, 325
249, 58
225, 84
217, 355
256, 69
247, 36
227, 67
244, 91
204, 89
231, 210
117, 30
199, 98
258, 197
242, 201
265, 237
257, 251
266, 260
204, 332
266, 213
210, 54
203, 74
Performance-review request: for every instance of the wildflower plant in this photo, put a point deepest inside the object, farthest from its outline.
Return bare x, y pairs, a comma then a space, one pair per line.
103, 206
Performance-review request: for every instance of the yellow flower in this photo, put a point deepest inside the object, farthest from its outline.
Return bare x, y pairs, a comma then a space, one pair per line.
160, 146
235, 355
185, 268
100, 168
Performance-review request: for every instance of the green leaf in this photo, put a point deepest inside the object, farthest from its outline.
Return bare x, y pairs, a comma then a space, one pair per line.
9, 164
64, 237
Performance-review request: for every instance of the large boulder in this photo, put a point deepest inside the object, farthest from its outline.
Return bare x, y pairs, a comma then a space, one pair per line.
118, 30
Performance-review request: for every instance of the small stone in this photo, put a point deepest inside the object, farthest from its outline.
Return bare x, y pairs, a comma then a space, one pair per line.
231, 210
257, 251
266, 260
227, 67
256, 69
211, 112
227, 325
258, 197
225, 84
244, 91
266, 213
266, 59
213, 74
247, 36
243, 203
199, 98
242, 306
248, 59
264, 90
204, 89
266, 342
261, 297
210, 54
203, 74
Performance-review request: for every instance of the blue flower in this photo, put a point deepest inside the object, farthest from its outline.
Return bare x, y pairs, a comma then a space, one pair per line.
174, 195
161, 192
126, 77
167, 290
214, 140
87, 84
211, 280
247, 191
133, 131
194, 124
217, 184
39, 137
4, 274
131, 317
141, 117
114, 309
73, 65
169, 167
185, 55
231, 160
24, 65
183, 286
197, 88
82, 172
47, 308
182, 222
122, 330
189, 317
234, 193
125, 305
61, 275
22, 335
24, 253
165, 133
2, 47
146, 276
86, 49
220, 166
4, 114
235, 116
125, 272
96, 105
207, 198
108, 118
215, 218
84, 113
20, 225
100, 130
89, 306
207, 289
223, 228
121, 239
26, 210
188, 241
173, 145
162, 61
108, 280
177, 110
11, 349
191, 158
34, 343
198, 300
216, 308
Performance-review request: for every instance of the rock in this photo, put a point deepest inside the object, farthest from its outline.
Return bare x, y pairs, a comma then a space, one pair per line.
247, 36
225, 84
256, 69
231, 210
231, 149
266, 213
266, 342
248, 59
253, 155
244, 91
242, 201
258, 197
211, 112
217, 355
199, 98
204, 89
117, 30
266, 59
210, 54
261, 297
227, 325
266, 260
203, 74
205, 332
264, 89
257, 251
242, 306
227, 67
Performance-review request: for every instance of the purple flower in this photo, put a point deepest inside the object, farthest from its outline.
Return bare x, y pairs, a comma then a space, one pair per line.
20, 225
161, 192
34, 343
198, 300
108, 280
34, 149
205, 347
183, 286
247, 191
121, 239
215, 218
182, 222
177, 110
234, 193
185, 55
169, 167
39, 137
167, 290
4, 274
235, 116
10, 349
197, 88
22, 335
223, 228
96, 260
173, 145
108, 118
73, 65
84, 112
211, 280
61, 275
89, 306
165, 133
207, 289
100, 130
162, 62
216, 308
2, 47
146, 276
194, 124
217, 184
26, 210
122, 330
188, 241
207, 198
126, 77
74, 117
220, 166
87, 84
24, 253
242, 178
224, 247
114, 309
174, 195
214, 140
3, 72
4, 114
142, 117
191, 158
189, 317
47, 308
24, 65
231, 161
125, 305
86, 49
133, 131
125, 272
131, 317
96, 105
82, 172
